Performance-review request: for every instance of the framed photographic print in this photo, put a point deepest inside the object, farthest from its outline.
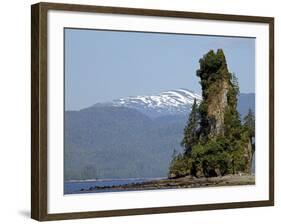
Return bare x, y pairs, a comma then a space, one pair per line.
141, 111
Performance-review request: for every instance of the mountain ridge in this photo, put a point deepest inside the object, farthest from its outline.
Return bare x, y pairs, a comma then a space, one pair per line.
170, 102
135, 144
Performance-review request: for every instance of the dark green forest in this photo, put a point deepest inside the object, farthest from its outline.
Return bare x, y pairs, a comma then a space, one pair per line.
216, 140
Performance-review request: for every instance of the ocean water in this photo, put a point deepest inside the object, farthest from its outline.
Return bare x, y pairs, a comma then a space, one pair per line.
76, 187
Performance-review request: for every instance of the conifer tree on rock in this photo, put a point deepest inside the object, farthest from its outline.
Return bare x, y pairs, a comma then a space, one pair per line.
219, 94
191, 130
215, 141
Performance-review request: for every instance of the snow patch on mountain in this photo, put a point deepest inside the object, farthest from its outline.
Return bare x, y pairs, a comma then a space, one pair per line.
170, 102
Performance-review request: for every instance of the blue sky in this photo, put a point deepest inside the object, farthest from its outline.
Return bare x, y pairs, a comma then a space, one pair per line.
105, 65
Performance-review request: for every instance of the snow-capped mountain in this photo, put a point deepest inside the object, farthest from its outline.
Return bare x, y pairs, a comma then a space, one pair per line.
166, 103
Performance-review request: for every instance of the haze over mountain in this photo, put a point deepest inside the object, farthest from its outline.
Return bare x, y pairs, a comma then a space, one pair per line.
130, 137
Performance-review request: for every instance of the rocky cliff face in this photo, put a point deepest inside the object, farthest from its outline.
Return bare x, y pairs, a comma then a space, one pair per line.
216, 88
218, 110
217, 105
215, 141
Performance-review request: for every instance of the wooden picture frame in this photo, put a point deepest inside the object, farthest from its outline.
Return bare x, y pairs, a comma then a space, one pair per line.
39, 110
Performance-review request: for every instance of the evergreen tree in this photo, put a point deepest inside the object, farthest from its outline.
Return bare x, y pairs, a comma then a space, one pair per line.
215, 141
224, 146
249, 123
191, 130
180, 165
215, 78
235, 83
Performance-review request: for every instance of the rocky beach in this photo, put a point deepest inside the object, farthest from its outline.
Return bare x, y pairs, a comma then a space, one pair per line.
182, 182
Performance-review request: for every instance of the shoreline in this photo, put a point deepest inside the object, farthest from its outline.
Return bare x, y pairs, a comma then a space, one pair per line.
177, 183
114, 179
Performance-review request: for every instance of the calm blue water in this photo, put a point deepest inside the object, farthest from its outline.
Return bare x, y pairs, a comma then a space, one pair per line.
75, 187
